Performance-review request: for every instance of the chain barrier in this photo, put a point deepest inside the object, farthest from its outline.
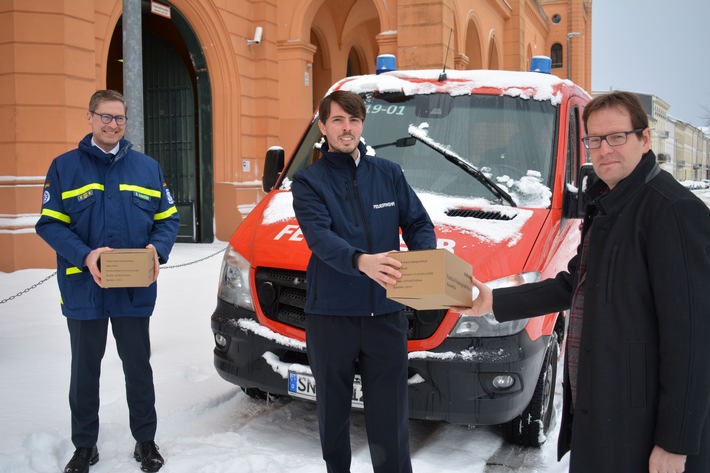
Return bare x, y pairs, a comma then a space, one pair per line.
55, 273
193, 262
29, 288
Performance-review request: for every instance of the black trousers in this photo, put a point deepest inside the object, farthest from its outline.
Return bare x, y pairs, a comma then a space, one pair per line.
379, 345
88, 345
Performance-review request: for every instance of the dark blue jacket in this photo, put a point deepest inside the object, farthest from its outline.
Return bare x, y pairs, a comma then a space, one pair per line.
91, 202
343, 211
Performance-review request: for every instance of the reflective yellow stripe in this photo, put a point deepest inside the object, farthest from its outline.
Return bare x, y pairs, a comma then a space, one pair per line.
58, 215
73, 270
81, 190
142, 190
166, 214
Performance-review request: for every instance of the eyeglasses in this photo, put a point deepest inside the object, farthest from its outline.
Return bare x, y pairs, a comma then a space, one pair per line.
613, 139
106, 118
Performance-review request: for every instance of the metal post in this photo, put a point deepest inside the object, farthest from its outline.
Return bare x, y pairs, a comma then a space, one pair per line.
569, 36
133, 72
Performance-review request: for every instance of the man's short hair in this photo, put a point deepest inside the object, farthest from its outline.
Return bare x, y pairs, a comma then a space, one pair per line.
625, 100
351, 102
106, 96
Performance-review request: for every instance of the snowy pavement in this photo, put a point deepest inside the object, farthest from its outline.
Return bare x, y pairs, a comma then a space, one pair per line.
205, 424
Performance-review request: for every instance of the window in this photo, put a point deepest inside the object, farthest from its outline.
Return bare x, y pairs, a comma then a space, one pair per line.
556, 55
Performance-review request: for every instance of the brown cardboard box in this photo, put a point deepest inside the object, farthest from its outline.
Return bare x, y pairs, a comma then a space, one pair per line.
432, 279
127, 267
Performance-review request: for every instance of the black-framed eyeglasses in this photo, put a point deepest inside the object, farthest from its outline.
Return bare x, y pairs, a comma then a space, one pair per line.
613, 139
106, 118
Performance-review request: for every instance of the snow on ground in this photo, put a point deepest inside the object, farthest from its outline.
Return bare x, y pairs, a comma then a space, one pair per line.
205, 424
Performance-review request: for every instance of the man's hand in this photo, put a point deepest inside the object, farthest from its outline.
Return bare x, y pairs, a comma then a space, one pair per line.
92, 262
482, 304
156, 263
662, 461
380, 268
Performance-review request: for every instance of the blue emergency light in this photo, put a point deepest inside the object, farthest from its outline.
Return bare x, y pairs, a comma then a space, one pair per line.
386, 63
541, 64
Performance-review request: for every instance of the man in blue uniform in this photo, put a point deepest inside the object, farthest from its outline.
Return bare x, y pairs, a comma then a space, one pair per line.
100, 196
350, 207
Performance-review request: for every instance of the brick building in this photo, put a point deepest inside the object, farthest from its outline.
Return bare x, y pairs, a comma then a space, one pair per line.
215, 100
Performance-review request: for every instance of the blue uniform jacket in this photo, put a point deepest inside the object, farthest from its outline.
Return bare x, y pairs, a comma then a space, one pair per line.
343, 211
91, 202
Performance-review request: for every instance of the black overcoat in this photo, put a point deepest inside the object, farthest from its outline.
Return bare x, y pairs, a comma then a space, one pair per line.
644, 362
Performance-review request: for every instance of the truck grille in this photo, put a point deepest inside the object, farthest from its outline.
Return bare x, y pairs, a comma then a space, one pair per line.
282, 297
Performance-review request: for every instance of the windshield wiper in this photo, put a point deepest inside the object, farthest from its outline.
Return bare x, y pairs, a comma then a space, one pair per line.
470, 169
399, 143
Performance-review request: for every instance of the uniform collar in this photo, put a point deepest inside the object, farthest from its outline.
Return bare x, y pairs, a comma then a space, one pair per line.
342, 159
87, 146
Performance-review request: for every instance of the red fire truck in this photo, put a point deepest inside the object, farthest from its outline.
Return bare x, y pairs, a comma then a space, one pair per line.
495, 156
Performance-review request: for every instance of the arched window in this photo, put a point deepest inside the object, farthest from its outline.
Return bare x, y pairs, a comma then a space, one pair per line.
556, 55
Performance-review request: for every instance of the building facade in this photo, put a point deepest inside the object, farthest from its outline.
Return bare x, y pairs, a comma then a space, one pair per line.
682, 149
216, 95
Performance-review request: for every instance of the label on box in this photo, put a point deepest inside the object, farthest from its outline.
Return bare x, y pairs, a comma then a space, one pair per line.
432, 279
127, 268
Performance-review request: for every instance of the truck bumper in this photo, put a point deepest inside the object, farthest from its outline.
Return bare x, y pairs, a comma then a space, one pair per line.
455, 383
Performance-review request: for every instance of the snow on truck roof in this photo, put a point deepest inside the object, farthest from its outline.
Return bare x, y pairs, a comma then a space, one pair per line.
527, 85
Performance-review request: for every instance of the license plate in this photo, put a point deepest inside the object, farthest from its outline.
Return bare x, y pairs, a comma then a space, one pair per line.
303, 386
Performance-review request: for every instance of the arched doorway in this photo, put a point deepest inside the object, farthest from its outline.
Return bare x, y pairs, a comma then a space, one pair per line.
177, 101
474, 51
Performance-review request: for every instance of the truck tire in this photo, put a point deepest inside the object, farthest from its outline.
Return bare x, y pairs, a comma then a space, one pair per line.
256, 393
530, 428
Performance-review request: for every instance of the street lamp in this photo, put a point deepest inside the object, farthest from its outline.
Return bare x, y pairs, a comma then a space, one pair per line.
569, 36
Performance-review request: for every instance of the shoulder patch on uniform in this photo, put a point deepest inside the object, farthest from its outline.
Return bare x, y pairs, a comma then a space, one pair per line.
46, 197
170, 196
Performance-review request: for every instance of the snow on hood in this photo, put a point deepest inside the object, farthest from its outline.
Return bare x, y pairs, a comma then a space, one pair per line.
280, 208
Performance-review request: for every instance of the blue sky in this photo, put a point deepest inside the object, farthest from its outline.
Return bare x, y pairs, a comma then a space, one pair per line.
657, 47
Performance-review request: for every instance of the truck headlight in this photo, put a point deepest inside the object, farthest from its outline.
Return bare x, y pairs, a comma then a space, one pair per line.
487, 325
234, 284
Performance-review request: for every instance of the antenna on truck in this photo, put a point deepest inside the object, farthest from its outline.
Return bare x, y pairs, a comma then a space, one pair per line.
442, 76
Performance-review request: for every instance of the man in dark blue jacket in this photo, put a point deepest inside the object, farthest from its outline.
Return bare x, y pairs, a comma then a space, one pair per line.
351, 207
100, 196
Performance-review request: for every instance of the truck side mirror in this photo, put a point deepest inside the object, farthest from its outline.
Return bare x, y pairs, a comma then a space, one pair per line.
575, 201
273, 166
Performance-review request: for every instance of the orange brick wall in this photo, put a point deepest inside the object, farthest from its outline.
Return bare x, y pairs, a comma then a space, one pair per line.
54, 57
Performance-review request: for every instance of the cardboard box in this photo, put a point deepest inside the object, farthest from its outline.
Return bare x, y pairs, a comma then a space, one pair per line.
127, 267
432, 279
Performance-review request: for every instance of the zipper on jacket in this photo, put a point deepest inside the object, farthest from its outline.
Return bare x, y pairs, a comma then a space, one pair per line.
352, 205
356, 191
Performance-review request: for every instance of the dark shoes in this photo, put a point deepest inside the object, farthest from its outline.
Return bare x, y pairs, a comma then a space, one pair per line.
82, 459
147, 454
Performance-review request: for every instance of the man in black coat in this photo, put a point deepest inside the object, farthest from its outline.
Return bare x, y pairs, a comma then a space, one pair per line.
637, 367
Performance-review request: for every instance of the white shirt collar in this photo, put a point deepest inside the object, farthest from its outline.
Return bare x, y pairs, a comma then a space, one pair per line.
114, 151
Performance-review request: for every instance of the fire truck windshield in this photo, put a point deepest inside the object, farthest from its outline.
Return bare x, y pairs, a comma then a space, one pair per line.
508, 139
